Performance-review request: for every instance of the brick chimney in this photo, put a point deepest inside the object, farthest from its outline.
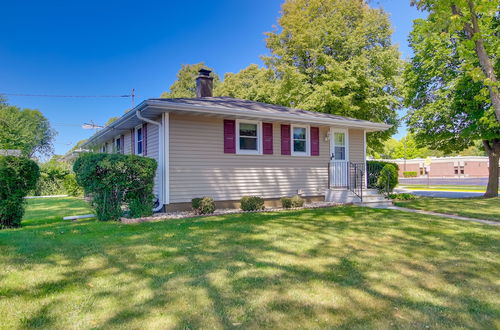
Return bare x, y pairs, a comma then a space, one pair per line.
204, 83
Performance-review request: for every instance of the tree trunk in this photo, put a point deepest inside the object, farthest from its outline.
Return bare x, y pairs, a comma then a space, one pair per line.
493, 149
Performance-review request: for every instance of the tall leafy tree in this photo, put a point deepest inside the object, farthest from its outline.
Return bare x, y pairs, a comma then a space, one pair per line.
474, 27
26, 130
448, 109
185, 85
332, 56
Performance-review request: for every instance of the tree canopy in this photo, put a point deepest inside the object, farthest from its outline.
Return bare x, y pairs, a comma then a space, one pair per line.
448, 110
185, 85
473, 29
26, 130
348, 67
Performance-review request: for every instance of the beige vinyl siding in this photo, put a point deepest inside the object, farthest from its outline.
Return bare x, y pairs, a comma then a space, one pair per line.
127, 143
199, 166
152, 149
356, 145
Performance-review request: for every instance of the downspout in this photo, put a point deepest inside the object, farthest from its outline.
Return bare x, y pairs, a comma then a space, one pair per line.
160, 157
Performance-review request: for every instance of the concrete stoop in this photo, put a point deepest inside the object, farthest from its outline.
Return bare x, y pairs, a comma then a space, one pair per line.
371, 197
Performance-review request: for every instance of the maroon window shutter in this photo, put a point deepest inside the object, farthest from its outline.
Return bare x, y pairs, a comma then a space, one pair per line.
285, 140
267, 138
314, 141
229, 136
145, 139
132, 141
122, 144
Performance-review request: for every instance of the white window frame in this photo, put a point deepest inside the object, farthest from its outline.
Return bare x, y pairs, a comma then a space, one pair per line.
118, 138
259, 137
308, 140
136, 140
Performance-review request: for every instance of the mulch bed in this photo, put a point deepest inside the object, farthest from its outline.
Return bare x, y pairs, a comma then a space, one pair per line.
191, 214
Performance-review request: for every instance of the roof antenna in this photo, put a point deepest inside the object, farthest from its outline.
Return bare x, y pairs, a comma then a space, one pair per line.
133, 95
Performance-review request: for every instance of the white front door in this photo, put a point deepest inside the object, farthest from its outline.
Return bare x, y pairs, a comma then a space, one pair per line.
339, 152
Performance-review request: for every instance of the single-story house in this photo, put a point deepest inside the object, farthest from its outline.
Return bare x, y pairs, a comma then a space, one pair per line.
226, 148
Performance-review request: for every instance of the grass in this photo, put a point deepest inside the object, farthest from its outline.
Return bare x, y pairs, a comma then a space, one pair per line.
345, 267
477, 207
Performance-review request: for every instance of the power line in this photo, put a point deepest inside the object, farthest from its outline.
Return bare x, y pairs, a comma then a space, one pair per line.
56, 95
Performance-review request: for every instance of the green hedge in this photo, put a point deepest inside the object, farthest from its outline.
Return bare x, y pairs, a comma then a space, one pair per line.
374, 167
387, 179
18, 176
115, 179
410, 174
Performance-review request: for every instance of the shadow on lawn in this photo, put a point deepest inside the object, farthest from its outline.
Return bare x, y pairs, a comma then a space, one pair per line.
359, 267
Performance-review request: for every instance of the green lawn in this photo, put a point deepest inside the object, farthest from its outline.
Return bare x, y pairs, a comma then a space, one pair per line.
344, 267
480, 208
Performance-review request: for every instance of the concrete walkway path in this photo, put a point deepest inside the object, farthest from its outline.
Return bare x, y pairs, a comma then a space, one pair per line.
444, 215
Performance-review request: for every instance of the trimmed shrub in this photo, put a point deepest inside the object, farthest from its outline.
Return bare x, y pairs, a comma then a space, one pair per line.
252, 203
410, 174
204, 205
403, 196
388, 178
18, 176
71, 186
286, 202
374, 167
115, 179
297, 201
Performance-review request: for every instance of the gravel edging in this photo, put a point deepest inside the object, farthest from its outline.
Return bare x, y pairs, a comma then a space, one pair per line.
191, 214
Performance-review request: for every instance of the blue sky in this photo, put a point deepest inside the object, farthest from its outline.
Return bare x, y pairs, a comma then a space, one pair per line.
109, 47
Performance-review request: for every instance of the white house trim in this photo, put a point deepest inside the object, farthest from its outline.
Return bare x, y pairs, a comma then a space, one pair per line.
308, 140
259, 137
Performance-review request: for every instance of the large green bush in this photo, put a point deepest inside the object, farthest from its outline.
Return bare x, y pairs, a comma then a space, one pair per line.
251, 203
113, 180
387, 179
18, 175
71, 187
374, 167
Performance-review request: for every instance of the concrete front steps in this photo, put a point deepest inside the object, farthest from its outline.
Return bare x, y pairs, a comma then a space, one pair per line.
371, 197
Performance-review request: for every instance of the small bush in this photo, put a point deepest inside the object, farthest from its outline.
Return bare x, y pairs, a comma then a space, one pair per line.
388, 178
71, 186
297, 201
18, 176
410, 174
195, 203
286, 202
115, 179
205, 205
403, 196
252, 203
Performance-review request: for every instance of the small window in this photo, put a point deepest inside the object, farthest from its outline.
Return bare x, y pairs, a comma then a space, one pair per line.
103, 148
462, 170
300, 140
138, 140
456, 170
118, 147
249, 137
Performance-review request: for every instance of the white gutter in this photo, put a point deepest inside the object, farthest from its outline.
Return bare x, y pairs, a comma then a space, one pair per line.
160, 157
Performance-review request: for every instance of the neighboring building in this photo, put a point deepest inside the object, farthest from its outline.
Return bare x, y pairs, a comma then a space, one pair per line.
445, 167
226, 148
